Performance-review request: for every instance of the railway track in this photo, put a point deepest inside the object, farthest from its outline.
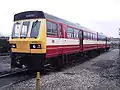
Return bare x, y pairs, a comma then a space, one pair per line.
11, 72
13, 77
4, 54
9, 82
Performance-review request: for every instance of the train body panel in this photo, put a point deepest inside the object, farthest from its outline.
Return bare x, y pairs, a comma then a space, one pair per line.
56, 46
89, 44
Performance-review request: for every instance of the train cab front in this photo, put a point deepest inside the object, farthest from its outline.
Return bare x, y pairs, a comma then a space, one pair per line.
28, 44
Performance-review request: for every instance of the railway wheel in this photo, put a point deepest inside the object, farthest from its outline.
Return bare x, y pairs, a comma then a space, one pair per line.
59, 62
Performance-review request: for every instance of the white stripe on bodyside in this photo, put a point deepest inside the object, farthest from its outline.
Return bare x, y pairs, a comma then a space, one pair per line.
62, 41
89, 41
93, 42
101, 42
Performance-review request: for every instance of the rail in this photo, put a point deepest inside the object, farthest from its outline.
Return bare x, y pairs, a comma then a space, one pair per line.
19, 78
11, 72
4, 54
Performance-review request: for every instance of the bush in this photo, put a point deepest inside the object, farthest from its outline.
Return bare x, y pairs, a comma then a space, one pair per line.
4, 45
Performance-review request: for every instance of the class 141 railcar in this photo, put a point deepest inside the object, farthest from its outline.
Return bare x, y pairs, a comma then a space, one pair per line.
39, 39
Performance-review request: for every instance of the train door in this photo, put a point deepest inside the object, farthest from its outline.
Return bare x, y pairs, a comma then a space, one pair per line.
60, 37
105, 42
81, 40
97, 41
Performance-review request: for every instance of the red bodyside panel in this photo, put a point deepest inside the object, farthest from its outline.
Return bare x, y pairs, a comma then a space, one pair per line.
55, 50
101, 45
89, 47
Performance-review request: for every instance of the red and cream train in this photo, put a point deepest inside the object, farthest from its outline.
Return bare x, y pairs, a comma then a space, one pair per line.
39, 39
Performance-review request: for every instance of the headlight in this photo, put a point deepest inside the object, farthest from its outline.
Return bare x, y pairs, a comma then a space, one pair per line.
13, 45
35, 46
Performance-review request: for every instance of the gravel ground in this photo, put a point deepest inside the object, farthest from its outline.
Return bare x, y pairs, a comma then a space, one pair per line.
100, 73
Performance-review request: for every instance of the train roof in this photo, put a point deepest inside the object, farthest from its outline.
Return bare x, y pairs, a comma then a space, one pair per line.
41, 14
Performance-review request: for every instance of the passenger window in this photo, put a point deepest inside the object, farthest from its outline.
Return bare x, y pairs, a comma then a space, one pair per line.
98, 37
80, 34
85, 35
91, 36
60, 30
88, 35
51, 28
94, 36
103, 38
76, 33
70, 32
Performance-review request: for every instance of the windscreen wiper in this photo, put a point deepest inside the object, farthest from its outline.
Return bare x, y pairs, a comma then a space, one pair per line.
34, 24
22, 37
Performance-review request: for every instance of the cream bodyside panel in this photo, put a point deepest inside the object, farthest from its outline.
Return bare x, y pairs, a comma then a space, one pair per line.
93, 42
62, 41
101, 42
89, 41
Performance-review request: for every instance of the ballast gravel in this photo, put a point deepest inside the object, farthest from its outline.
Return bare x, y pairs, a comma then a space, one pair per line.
100, 73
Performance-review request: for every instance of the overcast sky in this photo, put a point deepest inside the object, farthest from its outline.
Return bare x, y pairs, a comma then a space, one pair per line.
98, 15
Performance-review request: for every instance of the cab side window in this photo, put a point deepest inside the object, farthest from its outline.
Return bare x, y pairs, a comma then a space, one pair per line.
51, 28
